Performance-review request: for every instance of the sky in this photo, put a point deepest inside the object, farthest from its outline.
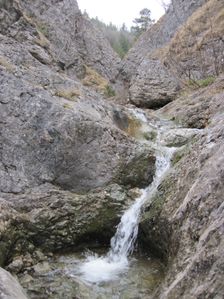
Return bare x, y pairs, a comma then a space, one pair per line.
121, 11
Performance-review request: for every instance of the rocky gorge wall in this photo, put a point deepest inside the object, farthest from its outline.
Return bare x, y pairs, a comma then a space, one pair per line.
61, 139
66, 148
184, 46
184, 223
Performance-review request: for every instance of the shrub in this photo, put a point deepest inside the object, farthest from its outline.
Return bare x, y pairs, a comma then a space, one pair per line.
43, 28
109, 91
207, 81
202, 83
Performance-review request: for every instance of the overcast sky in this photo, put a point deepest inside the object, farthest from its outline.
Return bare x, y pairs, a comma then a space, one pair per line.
120, 11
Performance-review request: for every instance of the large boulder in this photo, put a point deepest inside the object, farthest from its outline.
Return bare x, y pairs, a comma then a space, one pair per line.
78, 147
52, 219
154, 86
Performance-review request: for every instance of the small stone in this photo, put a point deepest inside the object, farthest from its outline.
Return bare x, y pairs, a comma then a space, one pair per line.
16, 265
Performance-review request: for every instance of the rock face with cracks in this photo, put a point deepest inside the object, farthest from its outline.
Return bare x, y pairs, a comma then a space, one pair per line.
184, 223
65, 165
69, 157
53, 128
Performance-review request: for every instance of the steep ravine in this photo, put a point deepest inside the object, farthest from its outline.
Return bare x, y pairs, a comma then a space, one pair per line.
104, 275
72, 159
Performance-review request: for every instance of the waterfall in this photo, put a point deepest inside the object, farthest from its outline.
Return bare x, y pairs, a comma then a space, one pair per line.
98, 269
122, 244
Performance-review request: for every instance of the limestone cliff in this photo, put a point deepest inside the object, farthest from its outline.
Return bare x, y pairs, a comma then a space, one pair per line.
70, 156
60, 28
58, 131
51, 115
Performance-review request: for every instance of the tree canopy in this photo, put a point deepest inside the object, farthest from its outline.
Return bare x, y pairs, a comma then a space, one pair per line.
121, 39
143, 22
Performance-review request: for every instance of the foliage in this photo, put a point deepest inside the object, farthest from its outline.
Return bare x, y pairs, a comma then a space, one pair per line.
43, 28
203, 82
109, 91
120, 40
142, 23
207, 81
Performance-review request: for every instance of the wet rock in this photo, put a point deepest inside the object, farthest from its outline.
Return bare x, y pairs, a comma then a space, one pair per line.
52, 219
63, 281
9, 286
41, 268
16, 265
178, 137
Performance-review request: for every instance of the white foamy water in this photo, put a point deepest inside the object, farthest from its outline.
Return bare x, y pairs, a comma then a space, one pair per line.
105, 268
98, 269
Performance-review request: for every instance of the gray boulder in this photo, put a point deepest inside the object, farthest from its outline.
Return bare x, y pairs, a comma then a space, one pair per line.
154, 86
54, 129
53, 219
178, 137
77, 148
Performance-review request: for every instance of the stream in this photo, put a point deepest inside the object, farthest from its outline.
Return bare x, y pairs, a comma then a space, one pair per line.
118, 272
97, 269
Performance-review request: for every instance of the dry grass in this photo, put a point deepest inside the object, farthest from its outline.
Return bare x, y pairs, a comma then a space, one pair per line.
133, 128
205, 24
70, 94
42, 40
6, 64
95, 80
206, 21
41, 29
67, 106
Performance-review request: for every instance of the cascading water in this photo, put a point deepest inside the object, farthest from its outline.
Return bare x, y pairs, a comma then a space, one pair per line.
115, 274
122, 244
98, 269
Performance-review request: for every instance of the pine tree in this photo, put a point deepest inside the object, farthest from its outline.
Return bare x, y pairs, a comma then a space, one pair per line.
142, 23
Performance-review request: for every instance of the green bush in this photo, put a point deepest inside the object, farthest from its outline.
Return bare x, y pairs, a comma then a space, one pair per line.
207, 81
109, 91
202, 83
43, 28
